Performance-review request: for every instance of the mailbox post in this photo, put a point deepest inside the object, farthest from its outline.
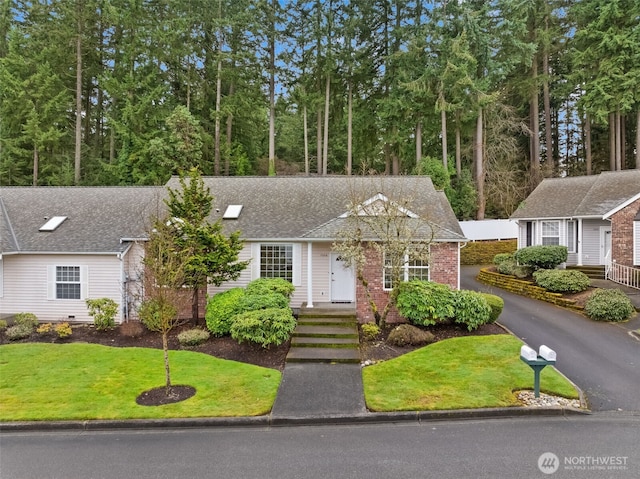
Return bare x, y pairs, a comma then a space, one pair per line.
537, 362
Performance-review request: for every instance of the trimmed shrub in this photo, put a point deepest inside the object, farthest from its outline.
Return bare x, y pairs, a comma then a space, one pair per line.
424, 302
3, 324
496, 303
44, 328
502, 257
608, 305
541, 257
270, 285
221, 309
131, 329
507, 266
562, 280
63, 330
26, 319
193, 337
264, 326
370, 331
104, 312
252, 302
18, 331
471, 309
408, 335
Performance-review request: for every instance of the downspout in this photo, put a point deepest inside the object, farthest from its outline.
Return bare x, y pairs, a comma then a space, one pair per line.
309, 275
460, 246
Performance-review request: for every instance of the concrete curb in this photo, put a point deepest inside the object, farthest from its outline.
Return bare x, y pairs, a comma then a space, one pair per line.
279, 421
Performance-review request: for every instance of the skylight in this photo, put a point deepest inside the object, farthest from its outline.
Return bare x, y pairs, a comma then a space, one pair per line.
232, 212
53, 223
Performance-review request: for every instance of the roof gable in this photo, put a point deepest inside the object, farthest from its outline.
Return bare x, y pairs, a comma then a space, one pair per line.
302, 207
378, 205
595, 196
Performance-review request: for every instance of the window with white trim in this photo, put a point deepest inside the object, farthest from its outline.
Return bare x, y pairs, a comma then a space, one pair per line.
68, 284
413, 268
572, 236
550, 233
276, 261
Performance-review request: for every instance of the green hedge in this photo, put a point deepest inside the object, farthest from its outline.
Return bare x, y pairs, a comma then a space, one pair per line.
264, 326
221, 309
271, 285
483, 252
496, 303
471, 309
424, 302
562, 280
541, 257
608, 305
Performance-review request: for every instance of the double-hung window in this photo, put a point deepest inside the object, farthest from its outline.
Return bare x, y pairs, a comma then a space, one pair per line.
68, 285
413, 267
276, 261
550, 233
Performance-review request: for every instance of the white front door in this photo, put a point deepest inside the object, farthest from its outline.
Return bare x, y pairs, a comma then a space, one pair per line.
343, 282
605, 245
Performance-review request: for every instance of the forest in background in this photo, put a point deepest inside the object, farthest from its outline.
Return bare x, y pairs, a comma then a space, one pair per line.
486, 96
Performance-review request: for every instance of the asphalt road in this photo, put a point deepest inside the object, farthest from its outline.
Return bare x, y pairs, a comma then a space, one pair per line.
603, 359
585, 447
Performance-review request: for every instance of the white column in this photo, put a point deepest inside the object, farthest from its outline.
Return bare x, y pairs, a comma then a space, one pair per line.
579, 226
309, 275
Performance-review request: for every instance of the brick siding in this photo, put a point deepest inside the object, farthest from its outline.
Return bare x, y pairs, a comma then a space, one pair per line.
622, 233
443, 269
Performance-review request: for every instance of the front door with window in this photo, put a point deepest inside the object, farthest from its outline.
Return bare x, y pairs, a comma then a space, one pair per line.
605, 245
342, 281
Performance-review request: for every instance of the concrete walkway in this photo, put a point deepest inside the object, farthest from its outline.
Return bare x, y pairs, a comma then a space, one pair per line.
319, 390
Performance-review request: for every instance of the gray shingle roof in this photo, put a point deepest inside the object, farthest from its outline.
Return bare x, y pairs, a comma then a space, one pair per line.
274, 208
580, 196
298, 207
97, 217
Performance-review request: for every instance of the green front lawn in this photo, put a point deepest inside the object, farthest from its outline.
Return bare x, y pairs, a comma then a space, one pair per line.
458, 373
86, 381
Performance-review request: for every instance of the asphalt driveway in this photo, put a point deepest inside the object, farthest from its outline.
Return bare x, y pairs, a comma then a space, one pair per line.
601, 358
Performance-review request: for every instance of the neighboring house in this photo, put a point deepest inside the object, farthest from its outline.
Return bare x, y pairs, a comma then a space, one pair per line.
59, 246
289, 224
62, 245
596, 217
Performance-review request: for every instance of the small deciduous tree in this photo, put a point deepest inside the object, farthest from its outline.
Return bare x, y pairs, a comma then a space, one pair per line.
387, 226
165, 270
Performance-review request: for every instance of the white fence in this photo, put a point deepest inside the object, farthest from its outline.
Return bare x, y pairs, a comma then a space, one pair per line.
625, 275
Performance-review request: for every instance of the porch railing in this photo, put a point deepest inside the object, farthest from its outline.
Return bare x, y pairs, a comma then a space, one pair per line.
621, 274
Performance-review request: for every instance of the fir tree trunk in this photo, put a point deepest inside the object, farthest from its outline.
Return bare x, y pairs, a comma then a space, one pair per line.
443, 121
478, 150
350, 129
638, 140
306, 140
325, 142
78, 142
418, 142
587, 143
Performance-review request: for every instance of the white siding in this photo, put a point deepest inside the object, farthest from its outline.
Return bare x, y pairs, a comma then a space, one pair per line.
25, 285
1, 288
321, 275
591, 241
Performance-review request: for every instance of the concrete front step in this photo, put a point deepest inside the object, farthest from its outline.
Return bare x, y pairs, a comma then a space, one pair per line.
323, 355
314, 321
311, 342
325, 331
